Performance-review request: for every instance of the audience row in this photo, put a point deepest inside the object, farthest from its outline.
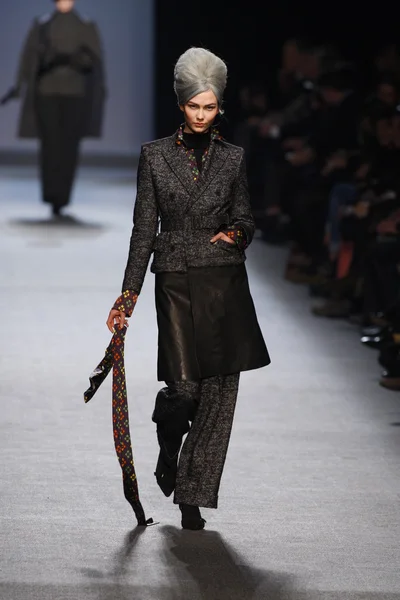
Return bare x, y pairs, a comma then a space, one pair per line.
324, 176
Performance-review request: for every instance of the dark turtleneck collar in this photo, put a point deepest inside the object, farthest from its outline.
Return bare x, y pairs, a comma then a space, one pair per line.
197, 140
71, 14
211, 135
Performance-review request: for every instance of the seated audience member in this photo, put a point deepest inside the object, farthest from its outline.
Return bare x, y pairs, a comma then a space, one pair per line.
284, 131
289, 72
386, 61
385, 96
332, 170
259, 132
329, 156
362, 229
309, 69
388, 337
254, 106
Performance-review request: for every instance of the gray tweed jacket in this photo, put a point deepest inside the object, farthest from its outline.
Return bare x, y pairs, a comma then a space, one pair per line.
166, 190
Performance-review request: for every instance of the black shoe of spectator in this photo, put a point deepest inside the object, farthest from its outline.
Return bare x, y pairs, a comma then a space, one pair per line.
333, 309
390, 381
320, 290
358, 319
378, 318
389, 356
304, 275
376, 337
373, 330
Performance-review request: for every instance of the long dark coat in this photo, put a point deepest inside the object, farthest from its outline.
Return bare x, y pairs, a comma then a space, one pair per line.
28, 69
206, 316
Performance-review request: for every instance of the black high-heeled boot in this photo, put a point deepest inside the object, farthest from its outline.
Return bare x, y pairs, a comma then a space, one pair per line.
171, 415
191, 517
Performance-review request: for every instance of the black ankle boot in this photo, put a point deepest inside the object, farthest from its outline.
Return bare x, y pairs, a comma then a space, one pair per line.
166, 469
191, 517
171, 416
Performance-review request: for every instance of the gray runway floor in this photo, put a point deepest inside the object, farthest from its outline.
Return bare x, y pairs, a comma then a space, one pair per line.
310, 498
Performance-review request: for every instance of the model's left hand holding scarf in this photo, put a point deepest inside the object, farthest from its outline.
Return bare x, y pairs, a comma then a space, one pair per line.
114, 358
126, 302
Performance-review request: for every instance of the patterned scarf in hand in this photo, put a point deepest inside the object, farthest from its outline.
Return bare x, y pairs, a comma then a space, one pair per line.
114, 359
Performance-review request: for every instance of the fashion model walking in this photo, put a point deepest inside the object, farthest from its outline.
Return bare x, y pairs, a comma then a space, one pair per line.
192, 211
61, 79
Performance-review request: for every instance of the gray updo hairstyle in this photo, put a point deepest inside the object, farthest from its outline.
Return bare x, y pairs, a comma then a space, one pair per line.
199, 70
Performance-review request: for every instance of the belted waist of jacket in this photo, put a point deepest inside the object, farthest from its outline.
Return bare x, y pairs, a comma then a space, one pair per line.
196, 222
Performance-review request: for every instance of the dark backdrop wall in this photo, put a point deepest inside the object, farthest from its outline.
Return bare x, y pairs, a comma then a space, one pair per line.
127, 31
249, 34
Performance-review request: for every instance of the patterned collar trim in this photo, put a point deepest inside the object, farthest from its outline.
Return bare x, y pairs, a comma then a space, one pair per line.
194, 167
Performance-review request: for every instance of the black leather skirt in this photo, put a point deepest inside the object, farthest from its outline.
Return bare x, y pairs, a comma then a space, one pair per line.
207, 324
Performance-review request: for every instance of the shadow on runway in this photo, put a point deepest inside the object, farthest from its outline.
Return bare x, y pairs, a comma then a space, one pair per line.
121, 559
218, 571
53, 232
199, 566
188, 566
63, 222
196, 565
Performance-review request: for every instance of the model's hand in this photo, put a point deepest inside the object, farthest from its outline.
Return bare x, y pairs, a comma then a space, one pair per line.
221, 236
123, 308
116, 318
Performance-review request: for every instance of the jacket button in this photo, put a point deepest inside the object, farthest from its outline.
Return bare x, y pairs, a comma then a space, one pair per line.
172, 248
218, 192
171, 196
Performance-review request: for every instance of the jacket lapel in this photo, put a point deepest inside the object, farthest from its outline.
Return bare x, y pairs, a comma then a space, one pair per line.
179, 164
215, 160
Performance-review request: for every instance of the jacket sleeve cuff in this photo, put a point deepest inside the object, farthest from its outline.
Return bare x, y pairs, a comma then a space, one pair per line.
126, 302
237, 234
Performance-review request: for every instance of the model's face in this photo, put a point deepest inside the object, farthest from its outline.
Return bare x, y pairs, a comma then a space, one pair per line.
65, 6
200, 112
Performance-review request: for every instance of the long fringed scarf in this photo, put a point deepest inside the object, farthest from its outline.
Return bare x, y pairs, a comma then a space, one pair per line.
114, 359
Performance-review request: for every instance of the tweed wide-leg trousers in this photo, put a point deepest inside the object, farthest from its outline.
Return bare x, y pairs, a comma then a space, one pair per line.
203, 454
